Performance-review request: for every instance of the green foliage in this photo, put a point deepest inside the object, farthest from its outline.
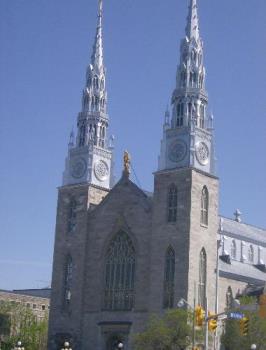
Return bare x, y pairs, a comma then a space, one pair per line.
20, 323
233, 340
173, 331
247, 300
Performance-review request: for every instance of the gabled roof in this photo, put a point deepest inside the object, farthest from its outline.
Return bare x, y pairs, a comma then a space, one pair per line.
243, 231
241, 272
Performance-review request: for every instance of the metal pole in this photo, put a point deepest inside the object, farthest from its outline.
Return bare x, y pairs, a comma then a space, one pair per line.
206, 326
216, 293
194, 328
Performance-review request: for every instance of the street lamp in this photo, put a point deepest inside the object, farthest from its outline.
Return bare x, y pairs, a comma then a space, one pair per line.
253, 347
120, 345
66, 346
19, 346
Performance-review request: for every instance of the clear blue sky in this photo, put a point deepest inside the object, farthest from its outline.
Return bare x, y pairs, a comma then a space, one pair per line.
45, 48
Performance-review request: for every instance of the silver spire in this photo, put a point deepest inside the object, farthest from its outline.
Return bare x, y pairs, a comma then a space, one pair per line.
192, 28
97, 54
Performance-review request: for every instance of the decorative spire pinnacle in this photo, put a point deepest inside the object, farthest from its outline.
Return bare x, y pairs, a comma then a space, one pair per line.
126, 159
192, 28
97, 54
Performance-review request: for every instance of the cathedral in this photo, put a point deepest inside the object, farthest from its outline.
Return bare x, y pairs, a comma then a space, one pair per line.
122, 254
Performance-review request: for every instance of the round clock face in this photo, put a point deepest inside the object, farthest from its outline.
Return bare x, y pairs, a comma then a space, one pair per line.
78, 168
177, 151
101, 170
202, 153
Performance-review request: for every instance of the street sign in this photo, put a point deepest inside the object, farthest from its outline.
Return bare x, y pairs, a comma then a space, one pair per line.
235, 315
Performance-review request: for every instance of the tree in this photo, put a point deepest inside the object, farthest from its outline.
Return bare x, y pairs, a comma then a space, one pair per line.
172, 331
232, 339
18, 322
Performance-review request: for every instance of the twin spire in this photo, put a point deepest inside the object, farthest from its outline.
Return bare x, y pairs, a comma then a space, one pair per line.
192, 28
97, 53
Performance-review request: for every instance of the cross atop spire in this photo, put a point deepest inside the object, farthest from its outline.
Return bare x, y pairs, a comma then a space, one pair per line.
97, 54
192, 28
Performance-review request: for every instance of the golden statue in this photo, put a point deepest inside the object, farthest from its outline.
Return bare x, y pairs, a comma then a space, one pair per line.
126, 162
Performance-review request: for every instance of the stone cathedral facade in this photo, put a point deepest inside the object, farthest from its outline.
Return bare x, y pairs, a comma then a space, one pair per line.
122, 254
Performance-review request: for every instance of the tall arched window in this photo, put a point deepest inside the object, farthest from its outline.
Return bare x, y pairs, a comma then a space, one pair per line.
172, 204
251, 254
119, 274
72, 215
233, 249
169, 279
68, 275
204, 206
202, 278
229, 298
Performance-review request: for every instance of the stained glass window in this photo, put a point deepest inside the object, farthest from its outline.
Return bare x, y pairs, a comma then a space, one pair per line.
202, 278
204, 206
172, 204
119, 273
169, 278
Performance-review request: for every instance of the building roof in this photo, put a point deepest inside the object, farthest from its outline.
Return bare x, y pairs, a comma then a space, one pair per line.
41, 293
239, 271
243, 231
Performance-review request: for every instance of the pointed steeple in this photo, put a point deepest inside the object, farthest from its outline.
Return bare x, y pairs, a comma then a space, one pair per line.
97, 54
90, 158
188, 140
192, 28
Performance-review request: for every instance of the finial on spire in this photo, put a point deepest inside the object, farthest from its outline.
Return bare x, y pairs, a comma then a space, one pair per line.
126, 163
97, 54
192, 28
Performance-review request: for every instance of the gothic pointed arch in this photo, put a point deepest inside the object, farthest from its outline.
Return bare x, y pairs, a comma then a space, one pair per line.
172, 203
68, 277
204, 212
72, 215
233, 249
169, 278
119, 279
202, 287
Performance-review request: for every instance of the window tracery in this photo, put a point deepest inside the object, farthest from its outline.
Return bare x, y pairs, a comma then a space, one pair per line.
72, 215
172, 204
169, 278
119, 274
68, 276
204, 206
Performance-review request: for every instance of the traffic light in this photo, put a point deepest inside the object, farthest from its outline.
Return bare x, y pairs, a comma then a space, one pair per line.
212, 323
200, 315
244, 326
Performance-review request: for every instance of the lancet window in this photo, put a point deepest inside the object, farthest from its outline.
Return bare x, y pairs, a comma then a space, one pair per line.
72, 215
202, 115
82, 134
119, 273
169, 279
233, 249
204, 206
251, 254
180, 114
172, 203
68, 276
202, 278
